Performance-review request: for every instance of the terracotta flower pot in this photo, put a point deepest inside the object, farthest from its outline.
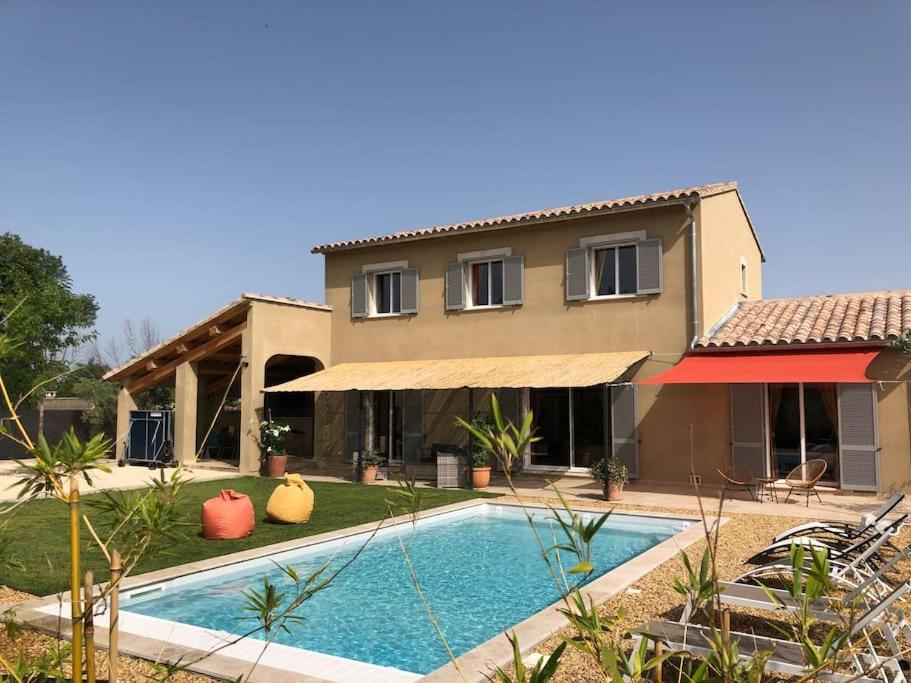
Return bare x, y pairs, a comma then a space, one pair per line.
480, 477
368, 474
276, 464
613, 490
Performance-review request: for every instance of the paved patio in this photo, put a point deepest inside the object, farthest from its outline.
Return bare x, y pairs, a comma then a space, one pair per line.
127, 477
835, 504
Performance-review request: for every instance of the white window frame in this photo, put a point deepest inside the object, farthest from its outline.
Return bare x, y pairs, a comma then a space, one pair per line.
593, 270
468, 265
372, 270
373, 293
744, 277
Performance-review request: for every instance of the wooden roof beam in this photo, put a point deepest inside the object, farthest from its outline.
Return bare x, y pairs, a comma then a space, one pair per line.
193, 355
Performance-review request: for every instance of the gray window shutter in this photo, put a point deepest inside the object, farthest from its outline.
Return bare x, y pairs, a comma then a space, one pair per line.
359, 295
513, 280
650, 266
577, 278
412, 427
624, 427
455, 286
410, 290
748, 427
857, 437
353, 424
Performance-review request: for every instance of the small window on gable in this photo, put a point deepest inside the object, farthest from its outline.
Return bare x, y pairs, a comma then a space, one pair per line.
387, 292
744, 278
615, 270
486, 283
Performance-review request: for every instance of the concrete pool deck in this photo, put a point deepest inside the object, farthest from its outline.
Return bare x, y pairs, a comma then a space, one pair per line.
156, 641
119, 478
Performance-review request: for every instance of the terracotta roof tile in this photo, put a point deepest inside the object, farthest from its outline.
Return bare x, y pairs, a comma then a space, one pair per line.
698, 191
873, 316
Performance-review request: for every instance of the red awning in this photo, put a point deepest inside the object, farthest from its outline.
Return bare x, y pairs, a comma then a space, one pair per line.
838, 365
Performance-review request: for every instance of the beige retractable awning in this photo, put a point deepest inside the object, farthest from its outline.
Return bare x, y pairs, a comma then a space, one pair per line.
567, 370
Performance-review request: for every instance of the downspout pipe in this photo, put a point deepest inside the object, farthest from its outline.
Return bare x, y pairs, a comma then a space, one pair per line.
694, 295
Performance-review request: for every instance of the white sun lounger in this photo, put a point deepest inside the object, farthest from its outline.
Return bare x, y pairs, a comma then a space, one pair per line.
837, 549
848, 569
842, 529
787, 657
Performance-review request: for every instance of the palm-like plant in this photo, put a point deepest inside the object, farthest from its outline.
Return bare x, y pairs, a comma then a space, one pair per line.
504, 439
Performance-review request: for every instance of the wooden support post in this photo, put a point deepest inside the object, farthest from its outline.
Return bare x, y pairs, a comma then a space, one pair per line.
659, 650
41, 417
114, 627
470, 438
725, 625
75, 579
89, 629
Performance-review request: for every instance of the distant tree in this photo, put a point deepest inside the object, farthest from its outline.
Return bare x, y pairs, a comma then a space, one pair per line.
135, 340
54, 323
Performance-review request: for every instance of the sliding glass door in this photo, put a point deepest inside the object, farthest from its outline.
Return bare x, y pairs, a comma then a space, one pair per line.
784, 427
571, 425
387, 412
803, 425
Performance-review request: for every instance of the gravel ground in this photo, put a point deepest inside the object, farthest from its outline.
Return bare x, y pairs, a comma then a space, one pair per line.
31, 644
654, 598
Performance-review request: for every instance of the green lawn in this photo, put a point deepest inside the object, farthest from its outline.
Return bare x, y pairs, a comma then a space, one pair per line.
39, 541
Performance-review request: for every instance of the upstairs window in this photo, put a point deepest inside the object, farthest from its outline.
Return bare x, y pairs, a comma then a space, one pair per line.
616, 271
386, 289
488, 279
609, 266
487, 283
387, 292
744, 278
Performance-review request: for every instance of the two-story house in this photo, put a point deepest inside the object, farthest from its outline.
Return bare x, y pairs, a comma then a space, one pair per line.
633, 327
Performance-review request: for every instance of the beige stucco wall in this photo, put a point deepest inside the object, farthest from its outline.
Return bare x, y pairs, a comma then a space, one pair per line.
273, 329
894, 419
544, 324
724, 238
665, 414
547, 324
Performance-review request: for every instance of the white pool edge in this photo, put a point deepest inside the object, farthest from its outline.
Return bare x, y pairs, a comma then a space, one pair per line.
153, 639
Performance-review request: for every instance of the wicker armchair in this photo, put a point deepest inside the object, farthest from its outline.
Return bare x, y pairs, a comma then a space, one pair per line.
803, 479
736, 477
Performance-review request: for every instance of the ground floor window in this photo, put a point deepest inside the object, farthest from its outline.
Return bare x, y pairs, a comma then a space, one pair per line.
571, 425
803, 425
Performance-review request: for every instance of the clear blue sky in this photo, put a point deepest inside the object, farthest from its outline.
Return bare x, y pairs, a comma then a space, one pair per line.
178, 153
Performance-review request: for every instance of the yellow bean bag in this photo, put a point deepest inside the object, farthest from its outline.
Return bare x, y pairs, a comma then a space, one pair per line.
291, 502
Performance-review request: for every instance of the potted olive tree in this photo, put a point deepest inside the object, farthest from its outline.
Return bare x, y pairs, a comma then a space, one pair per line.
370, 463
613, 475
272, 437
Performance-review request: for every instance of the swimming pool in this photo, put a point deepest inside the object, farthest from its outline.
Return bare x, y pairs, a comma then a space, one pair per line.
479, 567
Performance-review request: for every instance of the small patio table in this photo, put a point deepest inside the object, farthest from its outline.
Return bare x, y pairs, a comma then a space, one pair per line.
767, 488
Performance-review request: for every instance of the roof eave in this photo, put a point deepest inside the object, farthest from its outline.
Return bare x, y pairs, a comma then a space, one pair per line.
791, 346
380, 241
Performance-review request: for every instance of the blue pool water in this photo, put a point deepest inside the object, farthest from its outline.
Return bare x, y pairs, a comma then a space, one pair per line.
480, 569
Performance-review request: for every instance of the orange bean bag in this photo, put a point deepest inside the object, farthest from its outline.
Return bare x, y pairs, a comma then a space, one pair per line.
228, 515
291, 502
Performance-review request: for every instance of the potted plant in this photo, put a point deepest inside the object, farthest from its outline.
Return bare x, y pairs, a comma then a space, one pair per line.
272, 437
370, 463
478, 460
613, 475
